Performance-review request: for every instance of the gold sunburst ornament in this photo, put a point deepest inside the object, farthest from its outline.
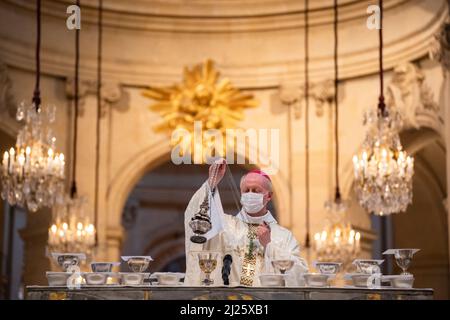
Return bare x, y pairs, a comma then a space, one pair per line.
201, 98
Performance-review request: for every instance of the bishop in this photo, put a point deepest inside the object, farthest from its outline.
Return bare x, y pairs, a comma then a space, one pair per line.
252, 237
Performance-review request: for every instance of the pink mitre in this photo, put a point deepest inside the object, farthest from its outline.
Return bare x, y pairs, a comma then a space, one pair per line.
260, 172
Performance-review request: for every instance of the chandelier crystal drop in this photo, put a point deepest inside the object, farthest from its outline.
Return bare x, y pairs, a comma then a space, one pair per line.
33, 172
383, 171
72, 229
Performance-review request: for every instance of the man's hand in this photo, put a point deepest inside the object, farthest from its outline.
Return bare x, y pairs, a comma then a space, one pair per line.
263, 233
219, 166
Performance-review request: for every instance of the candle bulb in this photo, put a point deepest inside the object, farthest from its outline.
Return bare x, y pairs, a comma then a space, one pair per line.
62, 165
27, 157
5, 161
357, 238
11, 159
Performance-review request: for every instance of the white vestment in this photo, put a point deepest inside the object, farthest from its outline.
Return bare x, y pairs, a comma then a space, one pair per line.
230, 235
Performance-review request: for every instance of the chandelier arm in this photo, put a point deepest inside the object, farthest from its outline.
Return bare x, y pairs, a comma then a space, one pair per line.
336, 101
99, 107
73, 190
307, 238
381, 103
37, 92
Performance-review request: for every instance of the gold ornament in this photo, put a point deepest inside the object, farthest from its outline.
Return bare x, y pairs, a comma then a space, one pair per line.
200, 98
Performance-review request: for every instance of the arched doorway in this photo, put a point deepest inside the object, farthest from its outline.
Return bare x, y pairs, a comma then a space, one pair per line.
153, 218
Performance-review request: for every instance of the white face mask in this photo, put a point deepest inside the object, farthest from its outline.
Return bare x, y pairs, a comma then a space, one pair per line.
252, 202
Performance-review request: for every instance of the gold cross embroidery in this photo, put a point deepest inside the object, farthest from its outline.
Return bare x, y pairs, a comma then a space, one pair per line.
249, 263
248, 269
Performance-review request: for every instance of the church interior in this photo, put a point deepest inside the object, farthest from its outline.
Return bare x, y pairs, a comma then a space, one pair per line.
102, 90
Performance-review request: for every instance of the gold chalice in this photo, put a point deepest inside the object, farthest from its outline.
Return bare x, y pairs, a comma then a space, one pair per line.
207, 261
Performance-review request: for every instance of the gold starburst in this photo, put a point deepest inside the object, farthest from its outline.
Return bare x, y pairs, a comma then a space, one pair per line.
201, 96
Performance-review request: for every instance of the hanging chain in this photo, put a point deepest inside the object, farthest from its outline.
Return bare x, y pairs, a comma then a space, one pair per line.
336, 101
99, 107
37, 91
381, 104
230, 180
73, 190
307, 240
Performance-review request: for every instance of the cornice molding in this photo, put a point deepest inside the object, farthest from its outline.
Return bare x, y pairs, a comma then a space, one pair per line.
142, 70
209, 16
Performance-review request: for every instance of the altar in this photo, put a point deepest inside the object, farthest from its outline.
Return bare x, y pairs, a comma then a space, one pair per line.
223, 293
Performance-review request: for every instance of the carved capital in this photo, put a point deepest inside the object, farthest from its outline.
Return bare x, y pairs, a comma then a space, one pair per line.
112, 93
8, 104
322, 93
409, 94
440, 46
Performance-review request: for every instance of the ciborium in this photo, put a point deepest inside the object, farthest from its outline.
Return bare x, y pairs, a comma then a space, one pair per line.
403, 258
66, 260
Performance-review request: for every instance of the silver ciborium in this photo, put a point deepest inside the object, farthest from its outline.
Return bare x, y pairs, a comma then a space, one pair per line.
137, 264
201, 222
327, 267
403, 258
65, 260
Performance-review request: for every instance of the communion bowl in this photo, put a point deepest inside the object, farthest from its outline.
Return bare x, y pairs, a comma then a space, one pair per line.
57, 278
133, 278
103, 266
316, 279
168, 278
327, 267
368, 266
360, 280
65, 260
401, 281
272, 280
97, 278
137, 263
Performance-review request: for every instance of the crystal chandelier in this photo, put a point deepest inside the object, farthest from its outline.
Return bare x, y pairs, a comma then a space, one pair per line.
383, 171
33, 172
338, 241
72, 229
